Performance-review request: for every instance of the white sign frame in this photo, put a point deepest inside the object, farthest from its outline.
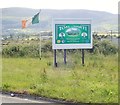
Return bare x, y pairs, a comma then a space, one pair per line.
70, 21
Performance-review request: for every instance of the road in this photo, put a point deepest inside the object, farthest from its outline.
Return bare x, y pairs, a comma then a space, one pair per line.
9, 99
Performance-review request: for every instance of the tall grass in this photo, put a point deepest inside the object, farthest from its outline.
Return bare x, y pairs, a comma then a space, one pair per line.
96, 82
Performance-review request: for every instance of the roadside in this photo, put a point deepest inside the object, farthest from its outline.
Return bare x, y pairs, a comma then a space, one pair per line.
9, 97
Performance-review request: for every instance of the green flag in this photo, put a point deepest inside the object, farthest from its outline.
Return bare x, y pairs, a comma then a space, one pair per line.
35, 19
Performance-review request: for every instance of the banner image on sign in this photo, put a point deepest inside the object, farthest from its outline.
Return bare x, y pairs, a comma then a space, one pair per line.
73, 34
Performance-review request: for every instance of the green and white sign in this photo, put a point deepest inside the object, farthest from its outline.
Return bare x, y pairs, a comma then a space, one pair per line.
71, 34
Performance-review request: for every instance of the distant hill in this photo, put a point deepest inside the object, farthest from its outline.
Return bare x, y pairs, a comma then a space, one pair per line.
101, 21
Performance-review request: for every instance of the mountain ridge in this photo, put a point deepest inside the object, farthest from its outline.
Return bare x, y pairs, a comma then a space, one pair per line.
101, 21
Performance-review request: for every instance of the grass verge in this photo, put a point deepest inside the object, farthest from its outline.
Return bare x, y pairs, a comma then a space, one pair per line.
96, 82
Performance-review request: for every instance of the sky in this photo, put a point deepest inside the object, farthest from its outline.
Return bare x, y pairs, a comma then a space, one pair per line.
98, 5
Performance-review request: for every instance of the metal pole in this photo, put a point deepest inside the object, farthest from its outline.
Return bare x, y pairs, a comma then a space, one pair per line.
40, 47
83, 57
64, 56
55, 61
111, 35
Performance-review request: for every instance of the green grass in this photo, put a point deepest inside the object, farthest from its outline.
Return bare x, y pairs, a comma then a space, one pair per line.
96, 82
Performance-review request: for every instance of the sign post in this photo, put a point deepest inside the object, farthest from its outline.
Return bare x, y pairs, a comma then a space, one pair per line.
83, 57
72, 34
64, 56
55, 61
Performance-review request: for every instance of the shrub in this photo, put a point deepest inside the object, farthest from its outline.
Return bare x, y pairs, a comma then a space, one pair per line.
20, 51
104, 47
47, 47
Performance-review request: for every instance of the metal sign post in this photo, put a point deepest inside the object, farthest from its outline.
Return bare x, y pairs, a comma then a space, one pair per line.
55, 60
64, 56
83, 57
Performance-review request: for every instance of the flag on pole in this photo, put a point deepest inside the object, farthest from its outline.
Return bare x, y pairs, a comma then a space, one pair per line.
24, 23
33, 20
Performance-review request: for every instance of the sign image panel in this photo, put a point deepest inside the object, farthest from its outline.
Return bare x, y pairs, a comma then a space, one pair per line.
72, 34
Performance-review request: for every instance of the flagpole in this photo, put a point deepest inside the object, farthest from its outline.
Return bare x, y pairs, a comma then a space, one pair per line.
40, 51
40, 47
39, 11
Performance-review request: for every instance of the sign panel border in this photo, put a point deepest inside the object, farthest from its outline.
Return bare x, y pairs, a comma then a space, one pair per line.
71, 21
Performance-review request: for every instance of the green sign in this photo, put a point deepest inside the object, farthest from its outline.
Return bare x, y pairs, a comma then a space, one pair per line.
72, 33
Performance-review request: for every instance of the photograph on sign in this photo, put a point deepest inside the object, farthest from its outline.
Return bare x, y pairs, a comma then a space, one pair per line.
71, 34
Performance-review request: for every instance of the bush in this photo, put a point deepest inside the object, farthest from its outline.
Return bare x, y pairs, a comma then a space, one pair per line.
104, 47
47, 47
26, 50
20, 51
11, 51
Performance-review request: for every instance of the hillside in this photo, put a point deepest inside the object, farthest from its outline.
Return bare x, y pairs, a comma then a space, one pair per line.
101, 21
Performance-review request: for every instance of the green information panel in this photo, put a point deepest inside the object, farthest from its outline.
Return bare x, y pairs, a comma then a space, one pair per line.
72, 33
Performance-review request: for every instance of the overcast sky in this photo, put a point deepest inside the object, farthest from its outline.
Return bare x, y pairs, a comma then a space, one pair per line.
100, 5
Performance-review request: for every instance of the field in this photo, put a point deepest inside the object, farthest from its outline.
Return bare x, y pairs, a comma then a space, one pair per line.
24, 72
96, 82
